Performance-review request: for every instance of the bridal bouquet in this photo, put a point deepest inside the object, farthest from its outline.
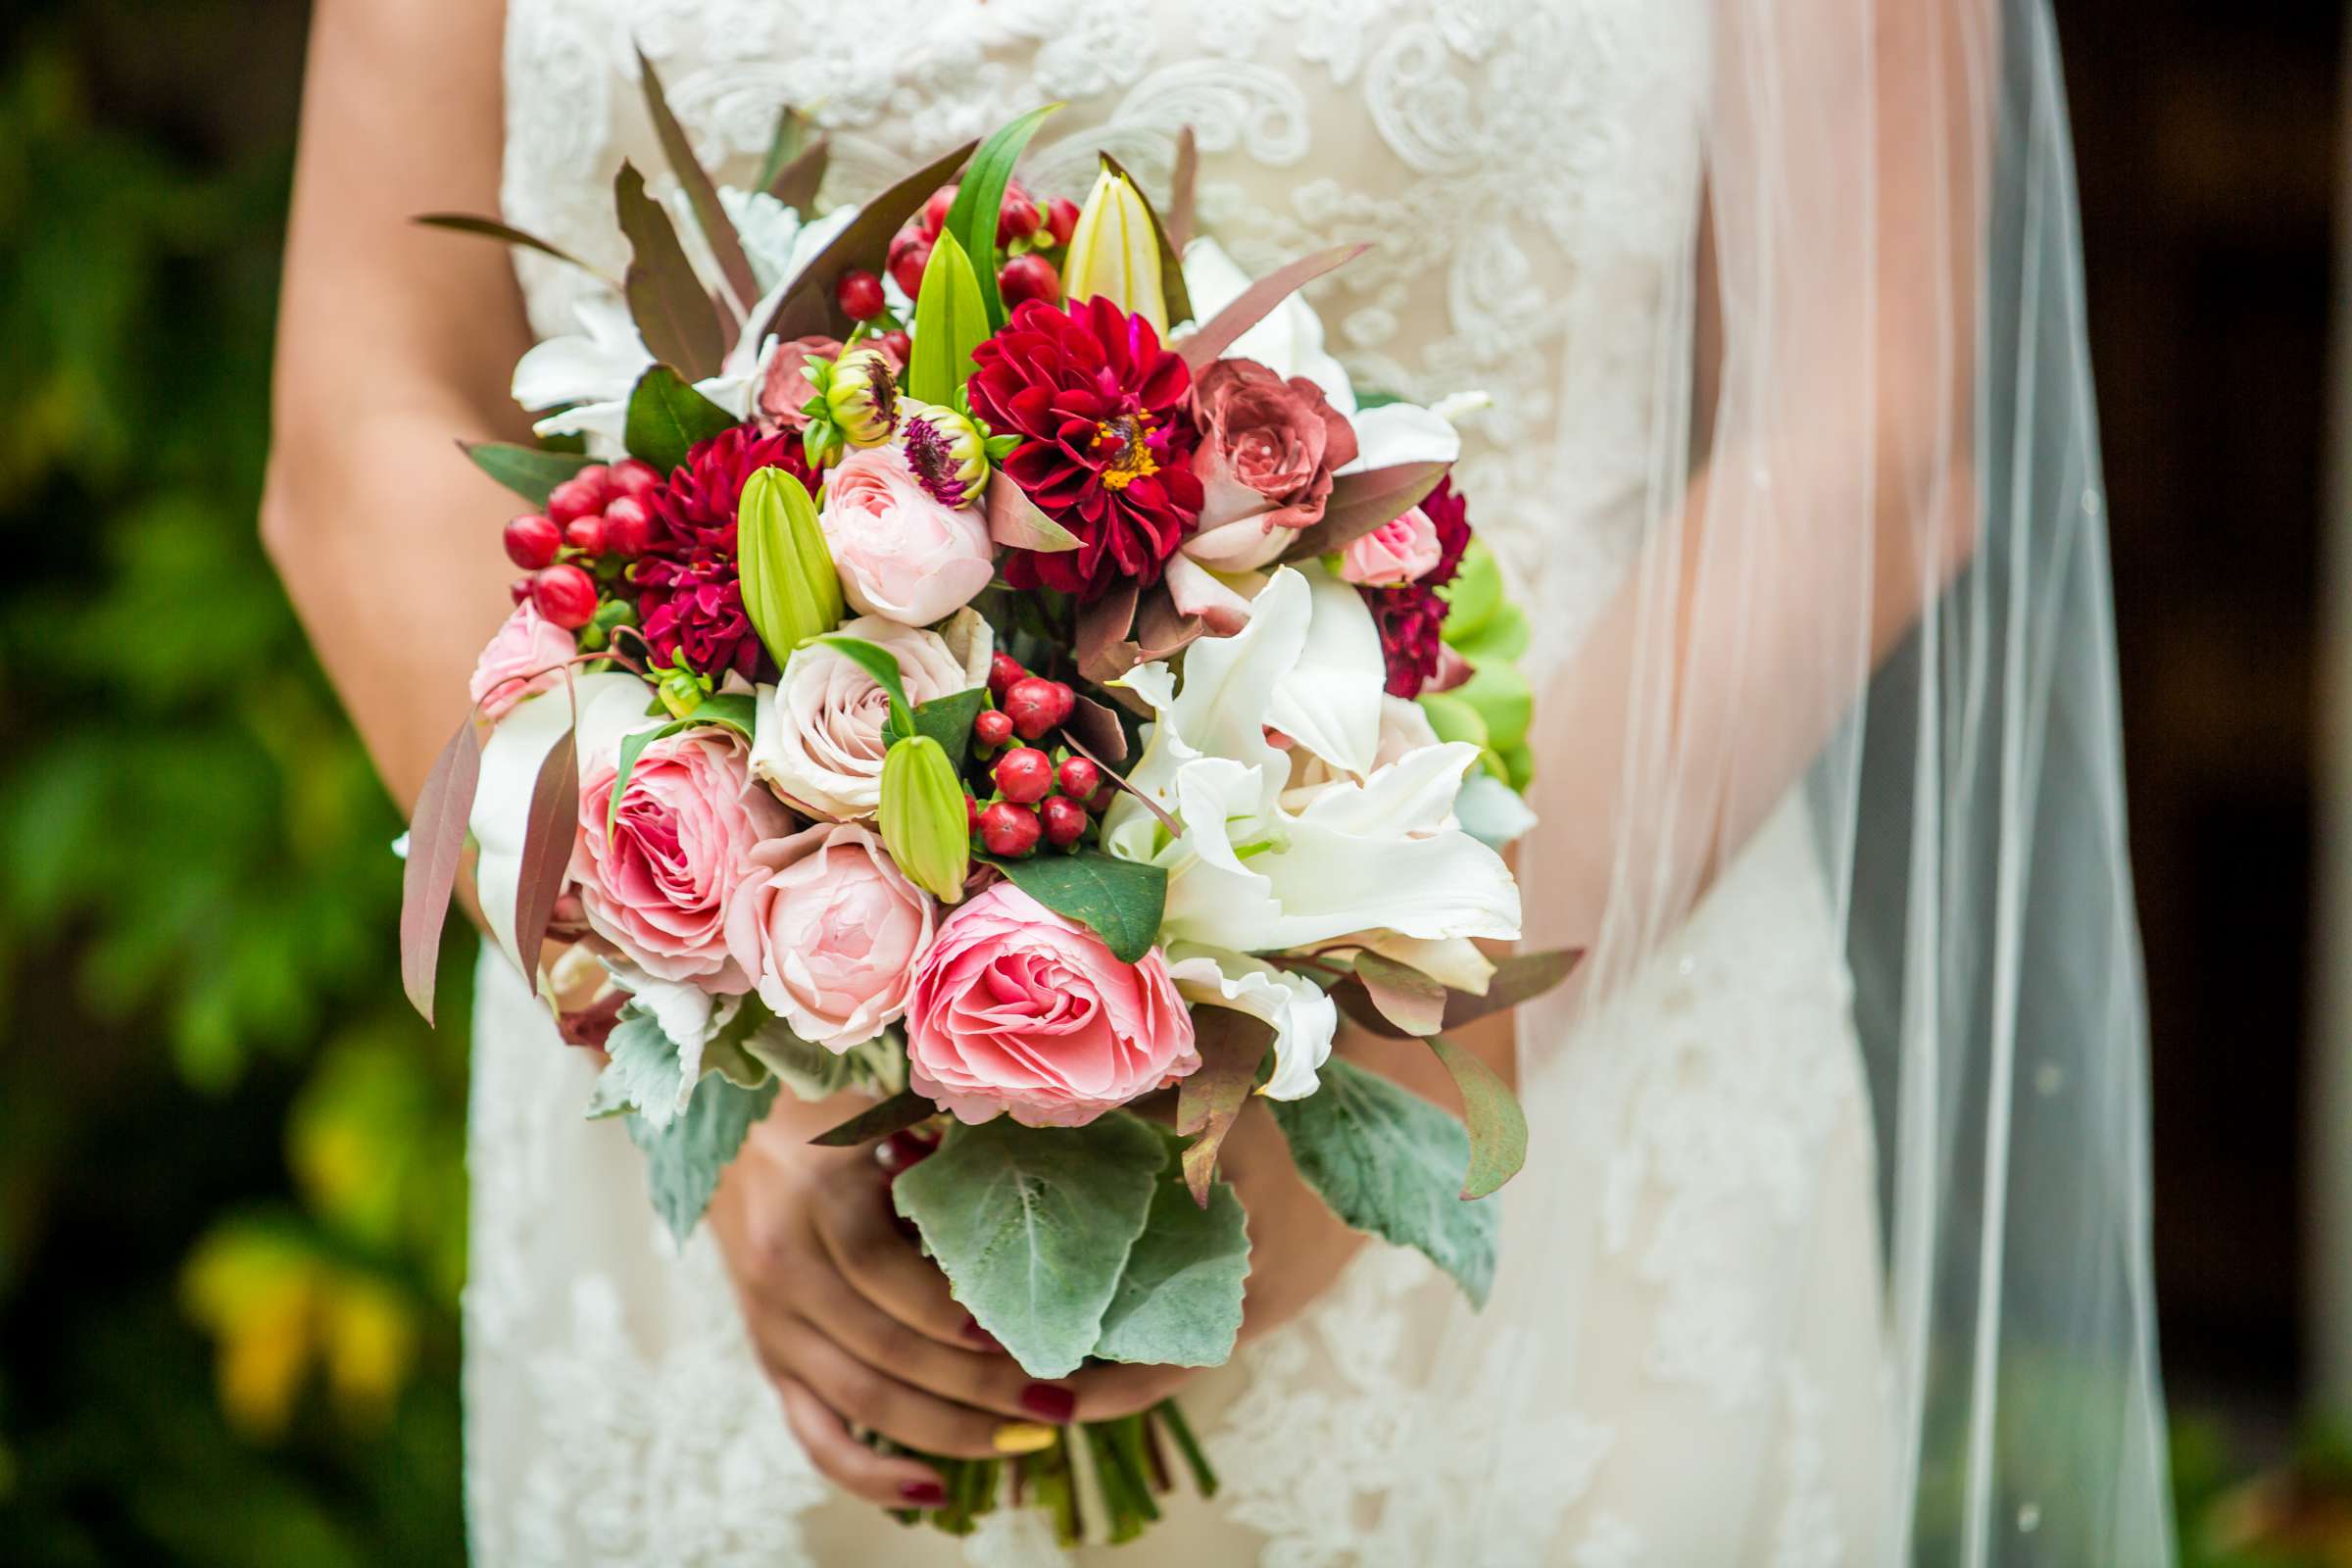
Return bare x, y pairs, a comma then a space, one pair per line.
983, 653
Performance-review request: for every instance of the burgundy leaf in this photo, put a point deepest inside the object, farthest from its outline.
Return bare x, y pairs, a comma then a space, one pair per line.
1405, 996
436, 843
1163, 631
1017, 522
1210, 1099
1255, 302
1119, 780
1104, 652
1180, 189
673, 314
796, 183
1097, 728
546, 843
503, 234
1361, 501
1522, 977
809, 306
701, 195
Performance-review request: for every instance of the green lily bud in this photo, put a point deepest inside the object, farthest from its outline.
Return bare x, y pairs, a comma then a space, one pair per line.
862, 396
923, 816
946, 451
790, 589
1114, 252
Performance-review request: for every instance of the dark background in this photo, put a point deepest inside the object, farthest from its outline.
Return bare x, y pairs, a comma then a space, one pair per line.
230, 1188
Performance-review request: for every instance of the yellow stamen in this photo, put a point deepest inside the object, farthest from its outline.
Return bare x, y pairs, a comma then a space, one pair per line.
1131, 433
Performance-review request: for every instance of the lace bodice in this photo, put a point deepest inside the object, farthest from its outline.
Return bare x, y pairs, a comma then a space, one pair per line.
1527, 174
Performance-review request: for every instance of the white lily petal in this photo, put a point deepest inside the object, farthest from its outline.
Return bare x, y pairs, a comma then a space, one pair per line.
1288, 341
1304, 1019
597, 363
1220, 711
1329, 702
1401, 432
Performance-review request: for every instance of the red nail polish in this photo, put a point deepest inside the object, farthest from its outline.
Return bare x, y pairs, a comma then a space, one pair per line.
979, 1336
1048, 1403
923, 1493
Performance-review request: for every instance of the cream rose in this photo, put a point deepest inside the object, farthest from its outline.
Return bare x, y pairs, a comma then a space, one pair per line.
816, 739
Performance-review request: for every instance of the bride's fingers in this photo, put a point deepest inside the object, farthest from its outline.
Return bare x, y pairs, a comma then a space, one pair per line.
990, 1380
860, 1234
1107, 1392
880, 1479
898, 1410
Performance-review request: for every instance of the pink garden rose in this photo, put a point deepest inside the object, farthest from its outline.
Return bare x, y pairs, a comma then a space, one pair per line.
525, 641
902, 555
1017, 1009
817, 736
829, 930
1268, 449
659, 888
1400, 551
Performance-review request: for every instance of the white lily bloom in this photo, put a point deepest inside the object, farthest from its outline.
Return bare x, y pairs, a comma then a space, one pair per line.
1401, 432
1330, 701
1302, 1018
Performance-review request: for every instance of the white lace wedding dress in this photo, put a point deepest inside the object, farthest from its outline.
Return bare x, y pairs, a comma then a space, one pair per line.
1532, 168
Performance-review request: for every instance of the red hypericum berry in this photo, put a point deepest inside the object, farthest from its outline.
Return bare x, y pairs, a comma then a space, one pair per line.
993, 726
1024, 774
860, 294
900, 345
576, 496
1009, 830
1037, 704
519, 589
1002, 671
1100, 802
1018, 218
1061, 218
629, 529
1064, 820
903, 1150
1028, 278
635, 478
1079, 777
586, 534
531, 541
935, 210
906, 264
565, 595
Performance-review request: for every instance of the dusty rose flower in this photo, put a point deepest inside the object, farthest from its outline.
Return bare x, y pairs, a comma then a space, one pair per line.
1400, 551
829, 931
660, 884
1017, 1009
817, 737
900, 553
1268, 448
526, 641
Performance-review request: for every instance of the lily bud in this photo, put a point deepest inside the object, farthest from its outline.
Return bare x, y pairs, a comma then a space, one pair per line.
1114, 252
925, 824
946, 451
790, 588
862, 396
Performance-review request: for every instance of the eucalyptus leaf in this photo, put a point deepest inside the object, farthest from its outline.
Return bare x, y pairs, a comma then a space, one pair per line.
1392, 1165
683, 1160
810, 305
901, 1110
503, 234
1179, 1300
1119, 900
1497, 1126
1034, 1225
701, 196
528, 472
668, 418
436, 843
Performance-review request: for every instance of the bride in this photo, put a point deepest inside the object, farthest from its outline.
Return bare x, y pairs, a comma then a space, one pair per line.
1835, 1245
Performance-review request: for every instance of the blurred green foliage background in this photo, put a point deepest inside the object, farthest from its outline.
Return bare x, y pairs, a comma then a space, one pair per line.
232, 1185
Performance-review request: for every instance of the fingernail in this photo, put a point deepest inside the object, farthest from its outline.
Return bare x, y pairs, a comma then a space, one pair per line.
979, 1336
1022, 1436
1048, 1403
923, 1493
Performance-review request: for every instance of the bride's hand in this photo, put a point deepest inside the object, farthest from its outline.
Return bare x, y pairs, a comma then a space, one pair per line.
855, 1326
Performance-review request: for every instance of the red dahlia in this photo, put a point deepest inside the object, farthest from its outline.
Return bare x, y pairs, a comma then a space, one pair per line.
688, 597
1099, 405
1410, 617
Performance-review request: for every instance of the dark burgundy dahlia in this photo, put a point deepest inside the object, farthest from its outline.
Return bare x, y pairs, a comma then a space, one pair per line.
688, 597
1099, 405
1410, 617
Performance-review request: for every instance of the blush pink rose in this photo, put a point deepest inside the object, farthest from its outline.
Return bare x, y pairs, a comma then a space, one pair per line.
1268, 449
526, 641
829, 930
902, 555
1400, 551
661, 887
1017, 1009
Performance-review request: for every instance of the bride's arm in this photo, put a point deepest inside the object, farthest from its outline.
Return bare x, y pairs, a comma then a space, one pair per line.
392, 339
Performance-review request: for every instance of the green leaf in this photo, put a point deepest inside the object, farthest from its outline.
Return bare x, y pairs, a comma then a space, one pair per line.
947, 720
1497, 1126
632, 747
884, 668
735, 710
676, 319
683, 1160
1119, 900
950, 320
1033, 1226
1179, 1301
1392, 1165
979, 196
526, 470
642, 1071
1499, 695
901, 1110
667, 418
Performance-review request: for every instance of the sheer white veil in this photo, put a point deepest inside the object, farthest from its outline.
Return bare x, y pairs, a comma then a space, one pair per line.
1876, 582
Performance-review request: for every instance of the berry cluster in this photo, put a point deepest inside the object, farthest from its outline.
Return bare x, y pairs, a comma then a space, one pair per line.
594, 522
1026, 230
1037, 797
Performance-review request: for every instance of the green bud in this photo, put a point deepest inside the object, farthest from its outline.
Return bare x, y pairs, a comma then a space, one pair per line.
861, 395
923, 816
681, 691
946, 451
790, 589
